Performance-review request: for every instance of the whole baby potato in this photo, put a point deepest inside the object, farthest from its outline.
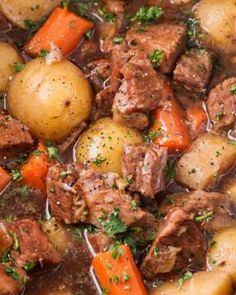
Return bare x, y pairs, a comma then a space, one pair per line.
50, 99
217, 19
9, 56
21, 11
102, 145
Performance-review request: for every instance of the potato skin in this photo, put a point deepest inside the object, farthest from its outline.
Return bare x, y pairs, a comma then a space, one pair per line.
17, 11
222, 256
217, 19
9, 56
104, 141
202, 283
50, 99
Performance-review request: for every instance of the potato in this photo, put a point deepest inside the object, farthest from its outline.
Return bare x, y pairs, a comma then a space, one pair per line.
210, 156
50, 99
17, 11
217, 19
102, 144
222, 256
57, 234
202, 283
8, 58
230, 188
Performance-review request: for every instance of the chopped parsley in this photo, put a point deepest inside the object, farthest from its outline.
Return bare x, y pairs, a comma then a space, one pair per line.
77, 234
107, 16
126, 277
43, 53
118, 39
147, 15
114, 225
170, 171
116, 251
233, 89
52, 190
30, 24
11, 272
192, 171
212, 244
82, 9
128, 180
99, 160
105, 291
152, 135
232, 142
16, 174
155, 251
66, 173
16, 244
18, 67
186, 276
219, 116
5, 256
65, 3
156, 57
204, 217
29, 266
53, 153
114, 279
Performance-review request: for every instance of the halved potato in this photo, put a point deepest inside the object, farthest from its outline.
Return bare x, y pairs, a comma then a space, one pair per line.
222, 256
51, 100
102, 144
217, 19
202, 283
209, 157
19, 11
9, 56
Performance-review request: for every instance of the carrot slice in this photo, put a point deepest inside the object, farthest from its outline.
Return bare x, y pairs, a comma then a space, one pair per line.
118, 273
5, 178
170, 127
197, 118
63, 28
34, 172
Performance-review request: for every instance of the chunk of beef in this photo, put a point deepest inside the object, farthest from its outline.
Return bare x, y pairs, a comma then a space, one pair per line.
102, 200
31, 244
12, 280
200, 203
63, 196
100, 242
5, 239
144, 166
139, 93
104, 101
193, 70
222, 104
13, 133
168, 38
179, 244
99, 72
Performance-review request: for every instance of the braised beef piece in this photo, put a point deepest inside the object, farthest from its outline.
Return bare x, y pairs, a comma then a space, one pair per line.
104, 101
179, 244
102, 200
100, 242
200, 203
63, 195
144, 167
12, 279
193, 70
6, 242
13, 134
221, 104
100, 71
168, 39
140, 92
31, 244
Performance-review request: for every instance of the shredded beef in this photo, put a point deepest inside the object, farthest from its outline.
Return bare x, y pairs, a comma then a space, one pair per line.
13, 133
179, 244
63, 195
168, 38
34, 245
222, 104
144, 166
193, 70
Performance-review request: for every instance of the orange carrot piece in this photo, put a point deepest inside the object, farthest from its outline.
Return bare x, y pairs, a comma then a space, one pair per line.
197, 118
63, 28
5, 178
34, 172
118, 274
170, 127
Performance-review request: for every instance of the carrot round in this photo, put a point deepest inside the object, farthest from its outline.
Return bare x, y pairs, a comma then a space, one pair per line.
118, 273
5, 178
63, 28
169, 125
34, 172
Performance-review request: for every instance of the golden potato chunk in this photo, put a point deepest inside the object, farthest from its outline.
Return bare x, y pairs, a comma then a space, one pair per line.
209, 157
202, 283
